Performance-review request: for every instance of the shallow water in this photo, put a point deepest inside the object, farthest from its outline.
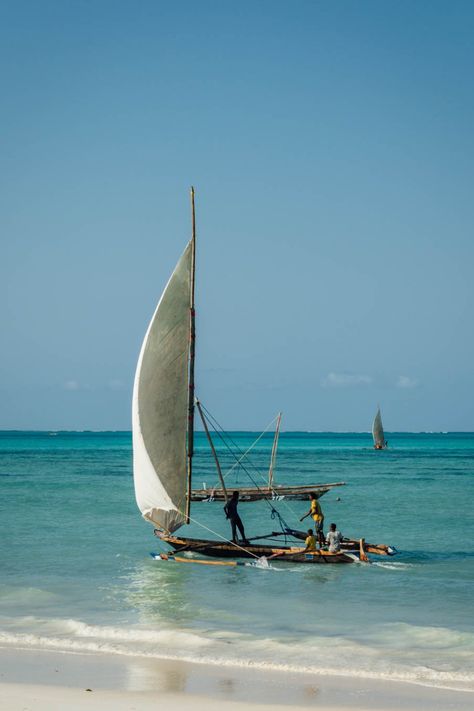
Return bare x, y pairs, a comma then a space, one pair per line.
76, 570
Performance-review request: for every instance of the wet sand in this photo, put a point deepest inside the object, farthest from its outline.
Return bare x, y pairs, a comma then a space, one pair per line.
52, 681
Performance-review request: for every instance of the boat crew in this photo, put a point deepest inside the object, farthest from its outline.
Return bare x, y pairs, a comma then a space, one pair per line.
333, 539
310, 541
317, 515
235, 521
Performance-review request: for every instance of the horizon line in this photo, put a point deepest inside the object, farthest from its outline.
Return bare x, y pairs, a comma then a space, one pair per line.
129, 431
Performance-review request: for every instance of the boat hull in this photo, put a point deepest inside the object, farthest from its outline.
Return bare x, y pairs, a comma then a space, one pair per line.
284, 554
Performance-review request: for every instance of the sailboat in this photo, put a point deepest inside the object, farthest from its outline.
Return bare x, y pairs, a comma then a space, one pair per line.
377, 432
163, 412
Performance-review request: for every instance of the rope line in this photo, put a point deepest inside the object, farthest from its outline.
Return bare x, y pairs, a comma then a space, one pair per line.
223, 538
216, 426
250, 449
219, 430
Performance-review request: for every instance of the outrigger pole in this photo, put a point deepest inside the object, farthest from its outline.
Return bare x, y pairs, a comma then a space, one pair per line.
211, 443
192, 352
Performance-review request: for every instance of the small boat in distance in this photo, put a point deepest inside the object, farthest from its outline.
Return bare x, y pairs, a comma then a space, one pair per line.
163, 434
377, 432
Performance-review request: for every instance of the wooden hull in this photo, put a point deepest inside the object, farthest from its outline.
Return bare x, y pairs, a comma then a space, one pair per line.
275, 493
284, 554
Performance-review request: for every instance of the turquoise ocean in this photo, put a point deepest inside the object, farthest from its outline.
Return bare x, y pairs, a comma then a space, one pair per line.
76, 574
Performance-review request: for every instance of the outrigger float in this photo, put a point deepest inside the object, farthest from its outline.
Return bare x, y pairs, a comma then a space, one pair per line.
163, 446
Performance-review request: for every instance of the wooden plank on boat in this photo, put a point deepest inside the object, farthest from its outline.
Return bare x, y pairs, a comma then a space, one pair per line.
362, 553
253, 493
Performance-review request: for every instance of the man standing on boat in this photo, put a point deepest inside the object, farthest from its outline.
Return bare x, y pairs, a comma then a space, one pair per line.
235, 521
317, 515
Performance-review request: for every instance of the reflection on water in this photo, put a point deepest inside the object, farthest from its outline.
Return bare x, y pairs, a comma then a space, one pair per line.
236, 685
227, 686
310, 690
159, 591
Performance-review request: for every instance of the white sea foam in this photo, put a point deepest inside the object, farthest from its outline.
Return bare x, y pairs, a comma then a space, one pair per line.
392, 565
242, 650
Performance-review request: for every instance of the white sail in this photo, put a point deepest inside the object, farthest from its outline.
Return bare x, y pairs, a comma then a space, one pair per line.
160, 405
377, 430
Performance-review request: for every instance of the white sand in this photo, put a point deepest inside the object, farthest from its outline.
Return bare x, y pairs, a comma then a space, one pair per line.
52, 681
16, 697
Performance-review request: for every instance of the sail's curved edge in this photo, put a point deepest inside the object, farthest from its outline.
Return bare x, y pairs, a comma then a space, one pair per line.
149, 490
159, 408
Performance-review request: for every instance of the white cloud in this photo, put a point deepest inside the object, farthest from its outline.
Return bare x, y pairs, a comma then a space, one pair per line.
71, 385
345, 380
405, 382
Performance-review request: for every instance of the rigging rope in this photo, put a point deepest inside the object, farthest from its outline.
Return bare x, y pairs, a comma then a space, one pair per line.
216, 427
250, 448
223, 538
214, 422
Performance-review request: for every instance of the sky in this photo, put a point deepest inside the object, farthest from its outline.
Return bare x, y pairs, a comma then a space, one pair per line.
331, 148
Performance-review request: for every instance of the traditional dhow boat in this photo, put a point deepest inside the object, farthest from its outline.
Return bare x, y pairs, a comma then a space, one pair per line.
351, 550
377, 432
163, 435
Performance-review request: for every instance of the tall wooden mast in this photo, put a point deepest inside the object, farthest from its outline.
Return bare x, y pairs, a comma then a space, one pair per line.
192, 352
213, 450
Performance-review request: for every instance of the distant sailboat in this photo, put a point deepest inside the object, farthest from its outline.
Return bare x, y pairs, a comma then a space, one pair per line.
163, 433
377, 432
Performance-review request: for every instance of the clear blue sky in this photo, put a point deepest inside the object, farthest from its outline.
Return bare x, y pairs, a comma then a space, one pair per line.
331, 146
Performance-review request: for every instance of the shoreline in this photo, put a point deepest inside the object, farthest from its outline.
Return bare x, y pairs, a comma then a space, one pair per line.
40, 680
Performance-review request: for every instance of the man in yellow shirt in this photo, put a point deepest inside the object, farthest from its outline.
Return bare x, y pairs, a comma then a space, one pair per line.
310, 541
317, 515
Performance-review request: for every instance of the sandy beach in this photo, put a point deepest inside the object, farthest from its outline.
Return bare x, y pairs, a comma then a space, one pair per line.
51, 681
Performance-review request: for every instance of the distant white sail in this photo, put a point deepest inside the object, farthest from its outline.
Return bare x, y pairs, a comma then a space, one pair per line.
160, 405
377, 430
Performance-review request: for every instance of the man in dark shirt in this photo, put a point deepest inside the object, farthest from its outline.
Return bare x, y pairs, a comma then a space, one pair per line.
235, 521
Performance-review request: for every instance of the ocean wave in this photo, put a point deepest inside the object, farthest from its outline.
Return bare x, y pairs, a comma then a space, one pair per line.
426, 664
23, 595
